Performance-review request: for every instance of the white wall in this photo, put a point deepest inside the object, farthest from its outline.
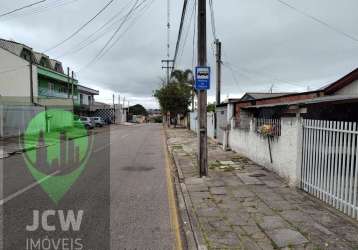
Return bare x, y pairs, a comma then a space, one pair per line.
351, 89
285, 148
221, 116
15, 76
193, 121
211, 124
15, 119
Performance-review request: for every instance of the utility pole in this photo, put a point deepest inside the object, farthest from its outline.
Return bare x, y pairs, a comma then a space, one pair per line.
114, 111
168, 67
218, 71
218, 82
119, 108
31, 81
202, 94
72, 86
68, 82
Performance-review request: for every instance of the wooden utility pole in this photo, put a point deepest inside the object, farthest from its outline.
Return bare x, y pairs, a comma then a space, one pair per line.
72, 86
218, 83
114, 111
218, 71
31, 81
68, 82
202, 94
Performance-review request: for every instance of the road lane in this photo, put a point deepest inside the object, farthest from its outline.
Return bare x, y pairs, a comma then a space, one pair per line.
139, 210
140, 217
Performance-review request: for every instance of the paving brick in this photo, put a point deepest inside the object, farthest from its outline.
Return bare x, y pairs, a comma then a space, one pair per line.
218, 190
250, 208
272, 222
286, 237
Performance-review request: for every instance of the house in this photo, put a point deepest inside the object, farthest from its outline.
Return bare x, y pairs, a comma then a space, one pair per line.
86, 101
309, 138
34, 78
31, 82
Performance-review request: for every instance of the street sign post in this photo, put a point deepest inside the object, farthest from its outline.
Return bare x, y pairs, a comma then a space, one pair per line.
202, 78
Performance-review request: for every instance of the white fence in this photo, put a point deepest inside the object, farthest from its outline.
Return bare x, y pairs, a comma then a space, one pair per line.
274, 123
329, 163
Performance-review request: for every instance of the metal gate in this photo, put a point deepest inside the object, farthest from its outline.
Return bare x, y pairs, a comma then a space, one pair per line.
329, 163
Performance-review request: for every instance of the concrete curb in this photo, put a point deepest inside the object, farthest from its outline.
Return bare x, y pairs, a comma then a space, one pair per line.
189, 220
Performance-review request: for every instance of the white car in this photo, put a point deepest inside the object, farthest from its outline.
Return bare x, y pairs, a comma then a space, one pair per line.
88, 122
99, 122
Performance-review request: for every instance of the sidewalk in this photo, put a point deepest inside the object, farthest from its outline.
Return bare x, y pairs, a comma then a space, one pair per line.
244, 206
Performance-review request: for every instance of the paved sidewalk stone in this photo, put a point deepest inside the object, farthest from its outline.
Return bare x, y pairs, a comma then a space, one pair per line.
242, 205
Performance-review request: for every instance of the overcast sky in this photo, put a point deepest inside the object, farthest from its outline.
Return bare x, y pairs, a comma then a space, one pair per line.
264, 43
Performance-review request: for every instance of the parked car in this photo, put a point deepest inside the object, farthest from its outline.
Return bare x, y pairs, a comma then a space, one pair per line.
88, 122
99, 122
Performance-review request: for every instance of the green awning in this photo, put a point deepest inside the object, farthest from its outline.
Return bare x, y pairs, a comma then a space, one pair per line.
42, 71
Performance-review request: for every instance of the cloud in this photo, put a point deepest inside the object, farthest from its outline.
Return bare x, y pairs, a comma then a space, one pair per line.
264, 43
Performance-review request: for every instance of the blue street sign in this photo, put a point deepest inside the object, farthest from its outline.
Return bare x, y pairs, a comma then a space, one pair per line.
202, 78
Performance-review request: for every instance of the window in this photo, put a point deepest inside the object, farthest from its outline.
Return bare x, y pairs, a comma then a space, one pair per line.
58, 68
43, 62
81, 99
89, 100
26, 54
51, 89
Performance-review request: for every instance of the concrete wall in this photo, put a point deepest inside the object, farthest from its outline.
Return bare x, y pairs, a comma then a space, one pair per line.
211, 124
351, 89
285, 148
193, 121
15, 76
221, 116
14, 119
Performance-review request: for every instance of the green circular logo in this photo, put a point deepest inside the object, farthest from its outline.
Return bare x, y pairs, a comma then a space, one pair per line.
61, 148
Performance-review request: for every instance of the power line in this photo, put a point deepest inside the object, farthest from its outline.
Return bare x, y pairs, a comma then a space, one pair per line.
213, 25
43, 8
183, 14
21, 8
318, 21
81, 28
88, 41
194, 36
103, 51
188, 30
145, 7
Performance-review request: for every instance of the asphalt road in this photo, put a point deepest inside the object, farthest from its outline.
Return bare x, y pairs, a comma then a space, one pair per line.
122, 193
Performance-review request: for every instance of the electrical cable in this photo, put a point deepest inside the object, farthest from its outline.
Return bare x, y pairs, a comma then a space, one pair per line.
104, 50
187, 33
213, 25
97, 34
327, 25
42, 9
180, 31
194, 36
80, 28
21, 8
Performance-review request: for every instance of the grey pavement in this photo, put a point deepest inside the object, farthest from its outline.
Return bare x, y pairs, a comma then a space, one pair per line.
241, 205
140, 216
137, 213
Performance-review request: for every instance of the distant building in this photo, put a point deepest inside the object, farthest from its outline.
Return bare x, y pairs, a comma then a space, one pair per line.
51, 86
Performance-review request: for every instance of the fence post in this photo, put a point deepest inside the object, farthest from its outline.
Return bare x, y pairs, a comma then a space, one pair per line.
299, 134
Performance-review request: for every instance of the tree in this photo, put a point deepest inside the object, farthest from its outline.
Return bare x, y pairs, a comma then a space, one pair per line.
211, 107
138, 110
176, 96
